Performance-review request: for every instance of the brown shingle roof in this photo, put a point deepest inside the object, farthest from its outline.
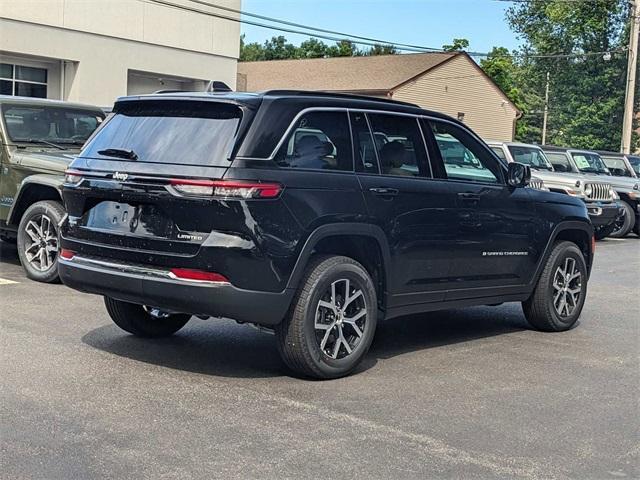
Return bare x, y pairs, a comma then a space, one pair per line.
375, 73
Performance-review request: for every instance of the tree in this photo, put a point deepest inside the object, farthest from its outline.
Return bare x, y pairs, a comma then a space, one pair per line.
586, 91
379, 49
501, 67
458, 45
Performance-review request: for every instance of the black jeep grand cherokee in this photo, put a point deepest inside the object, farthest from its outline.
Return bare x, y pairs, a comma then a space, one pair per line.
313, 214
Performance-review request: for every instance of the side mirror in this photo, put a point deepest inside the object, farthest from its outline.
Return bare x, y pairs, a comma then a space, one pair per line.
518, 175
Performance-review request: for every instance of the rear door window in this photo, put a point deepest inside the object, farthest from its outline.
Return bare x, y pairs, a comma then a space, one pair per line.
319, 140
166, 131
399, 145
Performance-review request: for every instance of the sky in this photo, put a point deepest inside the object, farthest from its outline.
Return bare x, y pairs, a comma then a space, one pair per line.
429, 23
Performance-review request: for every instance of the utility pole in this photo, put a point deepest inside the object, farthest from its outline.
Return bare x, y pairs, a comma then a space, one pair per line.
546, 112
627, 124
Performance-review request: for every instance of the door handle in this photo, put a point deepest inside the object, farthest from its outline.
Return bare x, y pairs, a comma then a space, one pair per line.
384, 192
469, 198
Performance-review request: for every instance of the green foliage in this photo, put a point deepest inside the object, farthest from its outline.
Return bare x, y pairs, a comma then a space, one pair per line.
458, 45
277, 48
586, 92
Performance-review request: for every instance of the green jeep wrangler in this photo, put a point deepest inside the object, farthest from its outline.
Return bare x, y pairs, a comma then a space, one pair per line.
38, 140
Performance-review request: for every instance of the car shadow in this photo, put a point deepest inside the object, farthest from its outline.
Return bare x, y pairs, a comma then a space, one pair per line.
9, 253
225, 349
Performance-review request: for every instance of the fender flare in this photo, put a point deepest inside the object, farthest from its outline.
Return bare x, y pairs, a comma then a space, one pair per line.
338, 229
582, 225
54, 182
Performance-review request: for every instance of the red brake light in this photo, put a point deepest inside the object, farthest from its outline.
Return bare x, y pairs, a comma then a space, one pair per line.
198, 275
593, 244
227, 188
67, 254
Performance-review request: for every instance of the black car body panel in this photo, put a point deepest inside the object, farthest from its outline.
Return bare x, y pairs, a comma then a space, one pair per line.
438, 242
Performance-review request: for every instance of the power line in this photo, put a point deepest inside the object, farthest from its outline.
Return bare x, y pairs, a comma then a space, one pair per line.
271, 27
372, 43
308, 27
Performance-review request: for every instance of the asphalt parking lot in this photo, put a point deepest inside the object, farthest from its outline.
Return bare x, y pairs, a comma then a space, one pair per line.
457, 394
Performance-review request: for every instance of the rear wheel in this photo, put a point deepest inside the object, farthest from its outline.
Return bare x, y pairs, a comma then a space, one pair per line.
625, 223
332, 320
38, 240
144, 321
559, 296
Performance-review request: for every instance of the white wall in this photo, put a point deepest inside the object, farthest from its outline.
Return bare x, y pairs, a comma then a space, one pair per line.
102, 40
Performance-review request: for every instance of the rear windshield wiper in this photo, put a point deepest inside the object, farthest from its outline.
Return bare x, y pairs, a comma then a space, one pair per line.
119, 152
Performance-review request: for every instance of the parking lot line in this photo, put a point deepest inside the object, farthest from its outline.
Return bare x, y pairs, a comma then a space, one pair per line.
4, 281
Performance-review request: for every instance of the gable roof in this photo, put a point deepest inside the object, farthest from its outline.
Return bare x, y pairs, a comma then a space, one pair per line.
372, 73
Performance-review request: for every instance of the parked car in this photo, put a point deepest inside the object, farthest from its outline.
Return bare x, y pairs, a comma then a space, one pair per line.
214, 205
38, 140
598, 196
621, 164
590, 165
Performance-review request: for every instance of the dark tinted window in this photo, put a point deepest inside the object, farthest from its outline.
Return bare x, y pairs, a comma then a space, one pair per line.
464, 158
318, 141
54, 124
164, 131
635, 163
400, 145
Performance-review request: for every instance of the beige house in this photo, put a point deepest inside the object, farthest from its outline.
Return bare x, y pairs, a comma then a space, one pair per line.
451, 83
93, 51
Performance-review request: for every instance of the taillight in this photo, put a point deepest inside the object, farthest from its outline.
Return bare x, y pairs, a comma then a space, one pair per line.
198, 275
73, 177
67, 254
226, 188
593, 244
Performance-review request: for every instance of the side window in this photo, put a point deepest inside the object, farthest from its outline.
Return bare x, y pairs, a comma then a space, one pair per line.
318, 141
499, 152
464, 158
400, 145
364, 149
559, 161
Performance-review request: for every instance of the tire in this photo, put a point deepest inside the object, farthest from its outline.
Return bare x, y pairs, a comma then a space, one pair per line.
603, 232
38, 232
137, 319
624, 226
540, 310
311, 351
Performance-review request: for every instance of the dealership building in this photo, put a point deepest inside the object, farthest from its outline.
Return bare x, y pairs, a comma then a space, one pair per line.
93, 51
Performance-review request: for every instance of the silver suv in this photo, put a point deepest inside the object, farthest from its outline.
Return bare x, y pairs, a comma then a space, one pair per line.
598, 196
591, 167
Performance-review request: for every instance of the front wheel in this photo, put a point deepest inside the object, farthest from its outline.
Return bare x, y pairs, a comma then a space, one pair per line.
624, 223
557, 301
332, 320
143, 321
38, 240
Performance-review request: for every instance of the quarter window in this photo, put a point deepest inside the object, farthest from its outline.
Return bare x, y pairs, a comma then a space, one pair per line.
464, 158
23, 81
318, 141
399, 145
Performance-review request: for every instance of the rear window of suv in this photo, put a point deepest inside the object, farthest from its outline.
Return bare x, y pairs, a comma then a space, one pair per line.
166, 131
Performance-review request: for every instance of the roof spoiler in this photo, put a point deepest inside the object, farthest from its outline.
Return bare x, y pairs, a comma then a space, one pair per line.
212, 86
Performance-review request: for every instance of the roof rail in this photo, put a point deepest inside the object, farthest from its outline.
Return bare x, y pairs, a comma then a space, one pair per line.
324, 93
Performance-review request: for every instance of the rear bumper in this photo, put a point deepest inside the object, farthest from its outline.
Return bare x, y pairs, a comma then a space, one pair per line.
147, 286
602, 214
